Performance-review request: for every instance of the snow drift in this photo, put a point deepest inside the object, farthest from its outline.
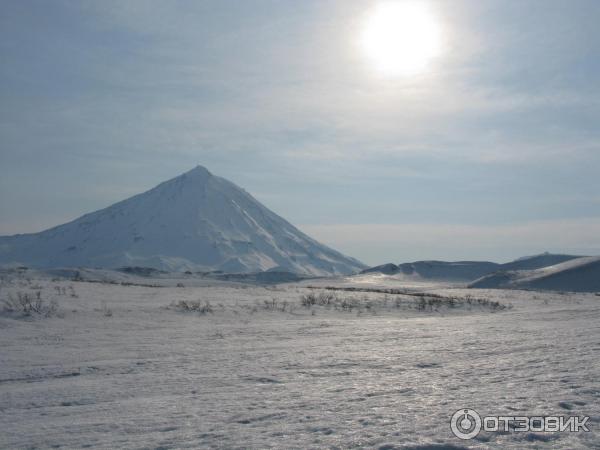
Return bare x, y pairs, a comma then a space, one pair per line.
196, 221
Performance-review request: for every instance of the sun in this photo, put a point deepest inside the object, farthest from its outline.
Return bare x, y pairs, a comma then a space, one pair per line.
400, 38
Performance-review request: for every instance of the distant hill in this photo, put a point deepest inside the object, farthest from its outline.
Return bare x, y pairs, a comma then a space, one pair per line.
466, 271
196, 221
576, 275
536, 261
441, 270
388, 269
438, 270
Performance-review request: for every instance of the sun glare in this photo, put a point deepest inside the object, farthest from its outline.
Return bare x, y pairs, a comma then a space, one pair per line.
400, 38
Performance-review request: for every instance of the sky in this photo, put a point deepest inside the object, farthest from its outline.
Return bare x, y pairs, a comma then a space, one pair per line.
491, 152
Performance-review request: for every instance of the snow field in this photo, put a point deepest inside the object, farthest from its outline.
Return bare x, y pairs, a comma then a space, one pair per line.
125, 366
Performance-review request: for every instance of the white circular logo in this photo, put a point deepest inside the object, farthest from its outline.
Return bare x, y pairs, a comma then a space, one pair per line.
465, 423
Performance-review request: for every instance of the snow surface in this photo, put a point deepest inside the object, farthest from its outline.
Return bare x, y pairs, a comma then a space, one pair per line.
121, 366
196, 221
576, 275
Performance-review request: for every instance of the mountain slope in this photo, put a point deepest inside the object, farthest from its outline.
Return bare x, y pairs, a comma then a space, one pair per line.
196, 221
577, 275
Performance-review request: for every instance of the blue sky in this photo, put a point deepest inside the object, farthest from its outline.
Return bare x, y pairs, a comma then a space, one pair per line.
492, 153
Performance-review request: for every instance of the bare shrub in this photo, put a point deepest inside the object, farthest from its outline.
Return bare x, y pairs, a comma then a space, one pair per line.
326, 298
30, 305
270, 305
276, 305
194, 306
323, 298
106, 311
348, 304
308, 300
60, 290
417, 301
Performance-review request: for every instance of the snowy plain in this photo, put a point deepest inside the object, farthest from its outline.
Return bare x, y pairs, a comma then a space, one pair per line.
120, 365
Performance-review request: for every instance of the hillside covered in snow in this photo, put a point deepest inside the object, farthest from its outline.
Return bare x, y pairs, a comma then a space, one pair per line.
465, 270
196, 221
576, 275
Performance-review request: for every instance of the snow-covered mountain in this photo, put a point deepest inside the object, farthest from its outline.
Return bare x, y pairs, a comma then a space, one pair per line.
577, 275
196, 221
